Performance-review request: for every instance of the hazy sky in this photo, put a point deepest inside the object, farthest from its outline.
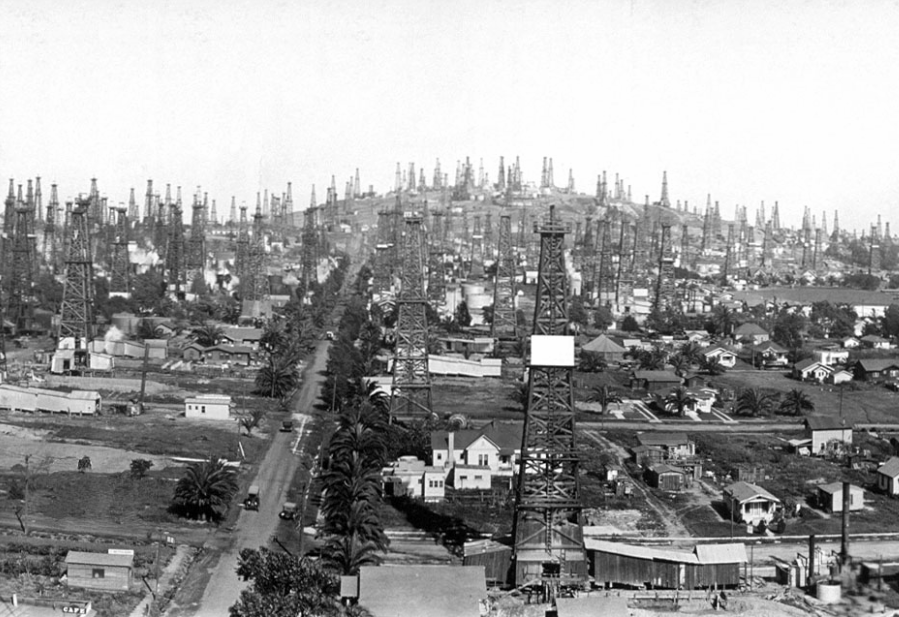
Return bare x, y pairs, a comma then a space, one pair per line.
747, 100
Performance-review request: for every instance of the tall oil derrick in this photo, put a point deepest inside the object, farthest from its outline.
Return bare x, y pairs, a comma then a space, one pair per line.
664, 201
287, 219
767, 239
760, 218
437, 183
570, 187
476, 271
605, 278
383, 267
258, 287
51, 231
504, 326
410, 178
120, 266
411, 380
665, 289
775, 217
806, 238
133, 212
278, 222
588, 259
398, 179
38, 209
729, 254
213, 216
19, 289
818, 251
501, 176
196, 253
310, 251
835, 236
436, 258
161, 234
174, 255
873, 256
76, 320
489, 244
515, 181
577, 250
481, 177
95, 212
624, 289
521, 241
548, 534
544, 174
148, 205
707, 229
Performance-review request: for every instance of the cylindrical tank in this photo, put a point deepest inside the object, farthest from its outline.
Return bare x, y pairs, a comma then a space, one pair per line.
829, 593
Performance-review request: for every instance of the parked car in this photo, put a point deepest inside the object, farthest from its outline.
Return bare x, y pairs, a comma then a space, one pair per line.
252, 500
288, 511
286, 426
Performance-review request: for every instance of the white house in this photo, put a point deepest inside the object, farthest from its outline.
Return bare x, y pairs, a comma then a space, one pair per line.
822, 430
496, 446
850, 342
830, 497
811, 370
831, 355
840, 376
470, 477
749, 503
208, 407
410, 476
725, 357
888, 477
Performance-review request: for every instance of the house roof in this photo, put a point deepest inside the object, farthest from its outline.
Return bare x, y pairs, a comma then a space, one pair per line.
873, 338
505, 436
99, 559
877, 364
744, 491
809, 363
835, 487
440, 591
826, 423
663, 439
749, 329
721, 553
603, 344
639, 552
232, 349
890, 468
238, 333
769, 346
657, 376
663, 468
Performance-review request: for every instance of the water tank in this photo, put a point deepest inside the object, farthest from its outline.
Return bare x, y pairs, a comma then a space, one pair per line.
828, 593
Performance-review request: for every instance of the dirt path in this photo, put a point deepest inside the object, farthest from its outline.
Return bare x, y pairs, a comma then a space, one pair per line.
214, 587
673, 527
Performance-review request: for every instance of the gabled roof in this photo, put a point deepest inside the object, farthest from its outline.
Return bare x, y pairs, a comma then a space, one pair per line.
438, 591
890, 468
809, 363
835, 487
239, 333
744, 491
663, 468
232, 349
826, 423
603, 344
873, 338
99, 559
877, 364
657, 376
505, 436
639, 552
749, 329
716, 350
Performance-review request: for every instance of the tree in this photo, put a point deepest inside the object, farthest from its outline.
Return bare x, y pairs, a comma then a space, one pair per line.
487, 312
890, 321
577, 314
723, 320
603, 318
205, 490
148, 291
678, 400
140, 467
605, 396
795, 402
145, 329
287, 586
278, 376
461, 314
591, 362
788, 329
711, 366
208, 334
754, 402
84, 464
345, 554
252, 420
629, 324
680, 364
520, 395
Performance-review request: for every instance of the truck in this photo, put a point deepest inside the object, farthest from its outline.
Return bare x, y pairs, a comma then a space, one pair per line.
252, 500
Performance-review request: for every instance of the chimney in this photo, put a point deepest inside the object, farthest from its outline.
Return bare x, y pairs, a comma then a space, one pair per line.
451, 446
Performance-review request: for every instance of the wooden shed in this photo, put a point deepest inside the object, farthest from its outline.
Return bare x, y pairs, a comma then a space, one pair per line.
494, 556
717, 565
100, 571
665, 477
616, 564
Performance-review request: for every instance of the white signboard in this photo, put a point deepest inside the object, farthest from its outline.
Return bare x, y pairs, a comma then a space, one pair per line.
547, 350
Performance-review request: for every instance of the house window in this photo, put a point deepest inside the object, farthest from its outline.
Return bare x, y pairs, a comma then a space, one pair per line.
479, 477
483, 459
439, 456
463, 477
203, 409
98, 573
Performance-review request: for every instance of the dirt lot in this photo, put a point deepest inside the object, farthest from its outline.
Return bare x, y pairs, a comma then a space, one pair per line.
481, 399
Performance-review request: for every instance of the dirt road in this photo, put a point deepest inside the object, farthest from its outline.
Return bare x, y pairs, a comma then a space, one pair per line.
254, 529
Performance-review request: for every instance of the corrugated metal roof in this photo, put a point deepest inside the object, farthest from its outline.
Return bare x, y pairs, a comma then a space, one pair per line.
638, 552
98, 559
721, 553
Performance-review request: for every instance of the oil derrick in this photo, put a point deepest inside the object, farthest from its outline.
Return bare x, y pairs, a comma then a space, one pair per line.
549, 174
835, 237
51, 241
9, 212
684, 245
438, 177
504, 326
411, 380
94, 213
664, 201
76, 320
516, 181
174, 254
242, 251
873, 256
310, 250
436, 268
476, 271
196, 254
716, 221
489, 251
278, 216
258, 287
287, 208
775, 217
501, 176
707, 229
729, 254
20, 301
578, 249
665, 289
760, 218
160, 238
120, 266
624, 289
806, 242
819, 251
549, 544
605, 279
410, 178
383, 278
570, 187
766, 245
588, 259
398, 179
357, 186
148, 206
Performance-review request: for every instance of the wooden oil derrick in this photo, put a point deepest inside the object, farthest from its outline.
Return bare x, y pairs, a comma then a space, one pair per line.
76, 320
767, 239
174, 256
605, 283
504, 326
19, 289
476, 271
818, 251
624, 290
149, 213
665, 290
383, 271
685, 246
436, 262
665, 202
548, 534
196, 253
411, 380
437, 183
775, 217
873, 256
729, 254
287, 214
51, 232
161, 236
707, 227
588, 258
120, 266
95, 209
310, 251
501, 176
489, 242
257, 286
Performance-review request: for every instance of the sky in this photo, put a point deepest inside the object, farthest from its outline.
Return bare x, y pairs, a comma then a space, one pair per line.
745, 100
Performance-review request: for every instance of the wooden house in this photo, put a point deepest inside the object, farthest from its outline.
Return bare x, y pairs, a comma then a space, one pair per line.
876, 369
725, 357
665, 477
831, 355
655, 381
208, 407
872, 341
830, 497
888, 477
749, 503
811, 370
823, 430
99, 571
751, 333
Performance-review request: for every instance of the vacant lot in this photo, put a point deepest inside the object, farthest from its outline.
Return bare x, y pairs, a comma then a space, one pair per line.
481, 399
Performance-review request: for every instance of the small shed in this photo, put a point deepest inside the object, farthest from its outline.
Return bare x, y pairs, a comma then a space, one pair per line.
157, 348
208, 407
665, 477
888, 477
830, 497
100, 571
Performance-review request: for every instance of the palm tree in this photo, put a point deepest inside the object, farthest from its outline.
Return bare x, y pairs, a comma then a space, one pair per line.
754, 402
795, 402
205, 490
605, 396
723, 318
279, 376
712, 366
208, 334
679, 363
346, 554
692, 352
679, 400
360, 429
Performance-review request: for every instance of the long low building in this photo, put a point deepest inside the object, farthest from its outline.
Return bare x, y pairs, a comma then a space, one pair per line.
81, 402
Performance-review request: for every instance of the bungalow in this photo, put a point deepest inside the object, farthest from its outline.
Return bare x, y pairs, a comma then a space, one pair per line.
888, 477
769, 354
665, 477
751, 333
850, 342
872, 341
748, 503
248, 337
99, 571
875, 369
234, 354
208, 406
409, 476
831, 355
823, 430
193, 352
811, 370
830, 497
725, 357
654, 381
704, 399
839, 376
667, 446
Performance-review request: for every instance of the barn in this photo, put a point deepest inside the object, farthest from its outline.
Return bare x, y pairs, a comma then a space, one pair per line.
100, 571
81, 402
665, 477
